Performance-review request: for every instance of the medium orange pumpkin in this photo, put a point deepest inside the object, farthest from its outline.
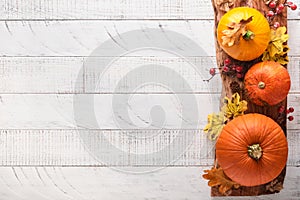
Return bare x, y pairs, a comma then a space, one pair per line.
257, 33
252, 149
267, 83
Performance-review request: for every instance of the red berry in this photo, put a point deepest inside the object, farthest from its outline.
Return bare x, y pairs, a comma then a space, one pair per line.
270, 13
276, 24
290, 3
287, 111
293, 6
212, 71
291, 109
239, 75
281, 6
278, 10
281, 109
227, 61
225, 69
239, 69
272, 4
290, 118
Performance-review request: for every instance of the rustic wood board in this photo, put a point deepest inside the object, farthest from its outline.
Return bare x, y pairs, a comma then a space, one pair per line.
44, 46
270, 111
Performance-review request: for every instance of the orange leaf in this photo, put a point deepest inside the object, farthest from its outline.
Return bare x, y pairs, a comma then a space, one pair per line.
217, 177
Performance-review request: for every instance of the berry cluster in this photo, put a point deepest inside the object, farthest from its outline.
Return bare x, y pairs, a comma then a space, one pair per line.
281, 110
230, 68
277, 9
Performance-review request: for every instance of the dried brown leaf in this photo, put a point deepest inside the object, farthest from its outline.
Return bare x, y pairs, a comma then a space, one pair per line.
234, 32
224, 5
274, 186
217, 177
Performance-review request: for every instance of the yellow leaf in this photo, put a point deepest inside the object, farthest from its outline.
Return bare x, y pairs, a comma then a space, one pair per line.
275, 50
215, 125
234, 107
217, 177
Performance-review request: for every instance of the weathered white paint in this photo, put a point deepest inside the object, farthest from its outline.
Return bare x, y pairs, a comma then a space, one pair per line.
112, 9
44, 46
41, 75
56, 111
80, 38
115, 148
111, 111
91, 183
67, 75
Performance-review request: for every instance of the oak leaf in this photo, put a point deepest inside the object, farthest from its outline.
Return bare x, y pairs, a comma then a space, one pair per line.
217, 177
234, 32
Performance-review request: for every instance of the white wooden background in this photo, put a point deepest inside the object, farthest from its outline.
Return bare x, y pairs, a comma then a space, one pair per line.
46, 154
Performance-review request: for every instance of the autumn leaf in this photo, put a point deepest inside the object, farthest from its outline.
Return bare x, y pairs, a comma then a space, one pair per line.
217, 177
235, 32
215, 125
224, 5
234, 107
277, 50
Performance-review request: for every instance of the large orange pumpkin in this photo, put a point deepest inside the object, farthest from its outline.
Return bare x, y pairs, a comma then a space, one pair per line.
258, 33
267, 83
252, 149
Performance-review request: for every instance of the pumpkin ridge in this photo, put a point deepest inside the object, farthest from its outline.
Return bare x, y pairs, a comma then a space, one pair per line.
238, 165
276, 79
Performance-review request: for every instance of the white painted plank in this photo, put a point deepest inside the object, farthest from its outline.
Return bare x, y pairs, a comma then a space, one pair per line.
106, 111
176, 183
113, 9
115, 38
65, 75
160, 148
114, 111
141, 74
41, 75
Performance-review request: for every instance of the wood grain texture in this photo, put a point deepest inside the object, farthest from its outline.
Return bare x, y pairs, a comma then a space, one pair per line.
106, 111
227, 82
44, 75
115, 148
113, 9
81, 38
56, 111
63, 183
41, 75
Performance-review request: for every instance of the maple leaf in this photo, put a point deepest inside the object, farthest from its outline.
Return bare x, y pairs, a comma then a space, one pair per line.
277, 50
234, 107
217, 177
235, 32
215, 125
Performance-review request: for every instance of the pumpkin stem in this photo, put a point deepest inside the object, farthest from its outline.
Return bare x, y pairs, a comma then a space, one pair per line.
261, 85
249, 35
255, 151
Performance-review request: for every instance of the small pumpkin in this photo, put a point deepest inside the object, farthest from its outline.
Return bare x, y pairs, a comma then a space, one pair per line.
267, 83
252, 149
243, 33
